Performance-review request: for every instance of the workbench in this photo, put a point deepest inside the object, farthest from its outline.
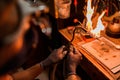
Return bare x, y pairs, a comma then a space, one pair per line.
94, 68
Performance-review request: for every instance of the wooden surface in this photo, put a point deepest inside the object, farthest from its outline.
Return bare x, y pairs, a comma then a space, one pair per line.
105, 52
77, 42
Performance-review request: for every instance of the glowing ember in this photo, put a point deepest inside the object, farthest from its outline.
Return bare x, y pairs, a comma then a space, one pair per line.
89, 15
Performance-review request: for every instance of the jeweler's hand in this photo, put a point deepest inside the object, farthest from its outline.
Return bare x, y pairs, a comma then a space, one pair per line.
57, 54
73, 59
54, 57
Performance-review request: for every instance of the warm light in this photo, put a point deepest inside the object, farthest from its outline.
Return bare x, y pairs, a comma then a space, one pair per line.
95, 32
99, 26
89, 15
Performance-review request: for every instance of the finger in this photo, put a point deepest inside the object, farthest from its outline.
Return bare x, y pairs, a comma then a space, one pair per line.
61, 48
70, 53
71, 48
80, 54
76, 51
64, 53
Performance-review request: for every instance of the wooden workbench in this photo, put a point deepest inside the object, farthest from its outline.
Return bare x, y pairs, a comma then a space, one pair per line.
90, 64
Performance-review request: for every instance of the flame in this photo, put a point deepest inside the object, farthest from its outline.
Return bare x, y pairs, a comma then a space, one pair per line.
95, 32
89, 14
99, 26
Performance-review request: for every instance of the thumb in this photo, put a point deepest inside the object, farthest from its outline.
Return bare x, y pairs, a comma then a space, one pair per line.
64, 53
62, 48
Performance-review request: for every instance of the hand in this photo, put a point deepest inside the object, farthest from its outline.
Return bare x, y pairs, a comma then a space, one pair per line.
57, 54
54, 57
73, 59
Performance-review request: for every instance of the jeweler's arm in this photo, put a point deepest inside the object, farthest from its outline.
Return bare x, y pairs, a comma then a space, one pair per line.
28, 74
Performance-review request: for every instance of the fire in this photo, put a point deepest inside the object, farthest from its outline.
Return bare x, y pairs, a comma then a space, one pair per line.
96, 31
89, 14
99, 26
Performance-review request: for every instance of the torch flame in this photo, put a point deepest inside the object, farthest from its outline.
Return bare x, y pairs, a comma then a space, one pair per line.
99, 26
89, 14
95, 32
